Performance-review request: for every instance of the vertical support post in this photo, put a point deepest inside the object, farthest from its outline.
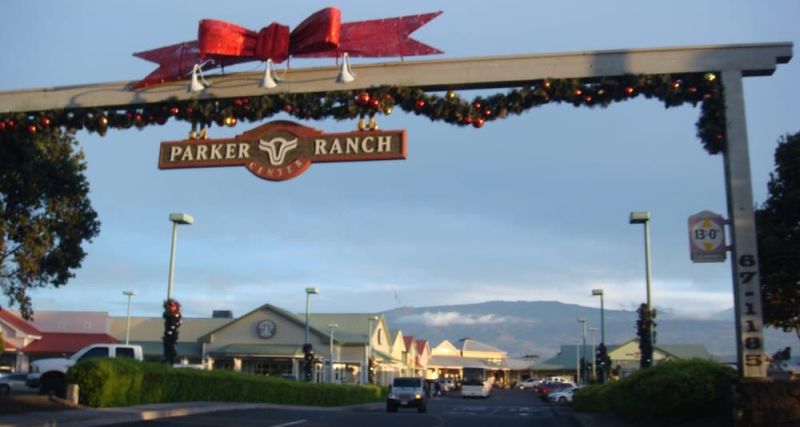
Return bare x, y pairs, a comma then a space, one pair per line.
172, 259
649, 276
368, 350
594, 356
744, 262
602, 320
305, 334
577, 364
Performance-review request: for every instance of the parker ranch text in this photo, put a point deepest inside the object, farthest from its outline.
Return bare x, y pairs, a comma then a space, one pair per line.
322, 147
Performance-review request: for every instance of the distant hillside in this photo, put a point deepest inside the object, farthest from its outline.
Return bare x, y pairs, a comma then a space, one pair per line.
541, 327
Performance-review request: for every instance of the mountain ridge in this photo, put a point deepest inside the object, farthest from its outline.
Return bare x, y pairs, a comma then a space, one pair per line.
541, 327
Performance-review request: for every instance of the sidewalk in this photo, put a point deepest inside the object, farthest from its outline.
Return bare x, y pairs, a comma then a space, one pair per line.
109, 416
591, 419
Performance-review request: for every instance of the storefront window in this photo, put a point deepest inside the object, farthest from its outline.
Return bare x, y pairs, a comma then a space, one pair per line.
271, 367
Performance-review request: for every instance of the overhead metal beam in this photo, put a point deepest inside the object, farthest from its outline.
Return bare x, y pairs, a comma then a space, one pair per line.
439, 74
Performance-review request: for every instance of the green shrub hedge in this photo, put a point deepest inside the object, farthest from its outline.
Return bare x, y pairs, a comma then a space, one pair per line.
125, 382
667, 394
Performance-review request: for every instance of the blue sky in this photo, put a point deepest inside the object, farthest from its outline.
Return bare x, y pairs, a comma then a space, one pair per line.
534, 207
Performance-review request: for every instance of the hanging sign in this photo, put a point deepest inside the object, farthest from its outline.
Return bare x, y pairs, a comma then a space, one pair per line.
707, 237
281, 150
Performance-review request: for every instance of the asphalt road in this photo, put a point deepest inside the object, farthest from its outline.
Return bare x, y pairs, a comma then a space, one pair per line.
504, 408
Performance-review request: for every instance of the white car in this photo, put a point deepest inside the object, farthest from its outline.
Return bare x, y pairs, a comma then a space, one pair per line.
446, 384
10, 382
562, 396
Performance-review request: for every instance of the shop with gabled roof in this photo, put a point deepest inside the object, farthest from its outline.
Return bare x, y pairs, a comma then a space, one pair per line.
266, 341
17, 334
449, 361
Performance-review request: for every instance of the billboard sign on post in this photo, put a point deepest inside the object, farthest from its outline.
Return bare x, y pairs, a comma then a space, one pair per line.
707, 237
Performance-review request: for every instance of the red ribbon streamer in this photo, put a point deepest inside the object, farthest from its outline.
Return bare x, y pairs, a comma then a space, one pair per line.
322, 34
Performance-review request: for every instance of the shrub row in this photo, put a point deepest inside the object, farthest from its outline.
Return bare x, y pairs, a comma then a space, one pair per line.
125, 382
667, 394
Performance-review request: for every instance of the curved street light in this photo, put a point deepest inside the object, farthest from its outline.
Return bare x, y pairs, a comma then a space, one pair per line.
129, 294
332, 327
309, 292
643, 217
176, 218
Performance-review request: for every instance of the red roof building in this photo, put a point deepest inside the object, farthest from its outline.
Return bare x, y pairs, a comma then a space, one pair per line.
423, 354
65, 344
408, 340
17, 333
23, 342
17, 323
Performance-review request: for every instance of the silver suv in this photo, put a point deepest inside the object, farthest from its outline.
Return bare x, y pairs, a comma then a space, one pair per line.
407, 392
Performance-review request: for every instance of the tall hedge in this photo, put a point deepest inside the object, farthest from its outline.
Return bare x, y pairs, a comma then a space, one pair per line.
667, 394
125, 382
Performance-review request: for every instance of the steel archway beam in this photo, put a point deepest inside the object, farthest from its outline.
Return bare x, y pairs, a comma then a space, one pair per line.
458, 73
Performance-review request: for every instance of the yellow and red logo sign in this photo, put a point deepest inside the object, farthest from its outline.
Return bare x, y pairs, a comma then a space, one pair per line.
281, 150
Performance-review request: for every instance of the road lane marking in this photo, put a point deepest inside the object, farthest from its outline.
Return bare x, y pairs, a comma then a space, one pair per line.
291, 423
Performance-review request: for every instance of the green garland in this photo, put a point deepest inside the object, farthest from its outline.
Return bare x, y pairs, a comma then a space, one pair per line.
672, 89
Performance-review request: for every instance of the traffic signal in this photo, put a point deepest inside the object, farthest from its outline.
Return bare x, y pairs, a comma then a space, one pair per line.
371, 370
172, 321
308, 361
603, 361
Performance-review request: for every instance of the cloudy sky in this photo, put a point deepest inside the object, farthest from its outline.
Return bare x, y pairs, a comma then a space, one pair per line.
534, 207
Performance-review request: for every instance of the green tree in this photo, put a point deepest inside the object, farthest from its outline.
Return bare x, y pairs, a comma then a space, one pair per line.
778, 230
45, 213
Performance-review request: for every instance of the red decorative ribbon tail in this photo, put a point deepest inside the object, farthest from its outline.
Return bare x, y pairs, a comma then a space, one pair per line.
176, 62
381, 38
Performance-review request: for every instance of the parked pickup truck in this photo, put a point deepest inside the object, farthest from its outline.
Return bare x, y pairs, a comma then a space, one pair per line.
48, 374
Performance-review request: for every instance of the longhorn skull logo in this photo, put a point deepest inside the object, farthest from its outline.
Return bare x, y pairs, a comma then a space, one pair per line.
277, 148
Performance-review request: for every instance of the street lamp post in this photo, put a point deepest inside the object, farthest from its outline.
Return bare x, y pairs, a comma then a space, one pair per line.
372, 319
596, 292
308, 349
332, 326
577, 362
309, 292
601, 293
176, 218
644, 218
582, 320
594, 355
129, 294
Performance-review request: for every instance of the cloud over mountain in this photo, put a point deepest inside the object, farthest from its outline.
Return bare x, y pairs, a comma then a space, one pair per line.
445, 318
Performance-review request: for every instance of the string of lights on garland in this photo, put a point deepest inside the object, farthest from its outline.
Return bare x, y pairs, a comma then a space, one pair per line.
672, 89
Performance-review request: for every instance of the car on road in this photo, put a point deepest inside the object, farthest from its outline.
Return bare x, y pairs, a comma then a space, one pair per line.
446, 384
528, 383
10, 382
407, 392
562, 396
544, 389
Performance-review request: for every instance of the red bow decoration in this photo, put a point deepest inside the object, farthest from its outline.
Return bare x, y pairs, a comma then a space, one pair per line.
322, 34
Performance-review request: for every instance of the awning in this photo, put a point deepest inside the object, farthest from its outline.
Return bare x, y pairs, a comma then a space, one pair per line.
384, 358
257, 350
156, 349
458, 362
